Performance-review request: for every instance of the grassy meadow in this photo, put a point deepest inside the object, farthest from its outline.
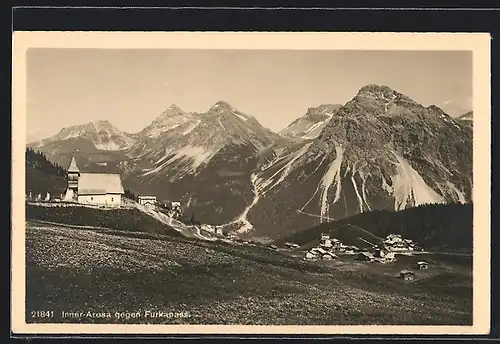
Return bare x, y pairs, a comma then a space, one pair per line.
104, 274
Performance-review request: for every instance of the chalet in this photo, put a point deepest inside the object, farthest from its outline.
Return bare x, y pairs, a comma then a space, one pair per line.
311, 255
93, 188
390, 257
349, 250
422, 265
291, 245
319, 250
176, 206
393, 238
218, 230
208, 228
381, 252
325, 241
273, 247
148, 201
336, 243
316, 253
365, 256
407, 275
328, 256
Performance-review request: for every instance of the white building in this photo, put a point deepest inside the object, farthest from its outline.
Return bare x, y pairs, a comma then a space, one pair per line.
325, 241
93, 188
148, 201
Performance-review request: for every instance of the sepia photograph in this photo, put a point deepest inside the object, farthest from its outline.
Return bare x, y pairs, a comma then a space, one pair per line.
174, 180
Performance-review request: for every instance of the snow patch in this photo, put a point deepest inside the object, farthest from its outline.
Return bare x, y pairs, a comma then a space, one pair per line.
332, 176
287, 168
408, 186
357, 193
222, 125
109, 145
157, 131
363, 189
243, 118
313, 127
168, 152
460, 194
316, 191
191, 126
247, 226
193, 155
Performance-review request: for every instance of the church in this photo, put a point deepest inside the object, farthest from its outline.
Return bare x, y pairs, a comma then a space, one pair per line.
93, 188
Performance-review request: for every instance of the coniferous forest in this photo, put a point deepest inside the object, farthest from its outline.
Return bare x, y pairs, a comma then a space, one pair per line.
440, 227
43, 176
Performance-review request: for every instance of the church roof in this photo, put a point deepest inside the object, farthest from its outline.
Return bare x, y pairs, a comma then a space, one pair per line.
72, 166
99, 184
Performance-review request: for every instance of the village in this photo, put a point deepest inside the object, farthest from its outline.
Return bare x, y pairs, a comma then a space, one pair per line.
106, 190
383, 253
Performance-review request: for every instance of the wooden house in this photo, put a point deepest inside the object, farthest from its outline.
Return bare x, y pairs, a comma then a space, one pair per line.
148, 201
389, 257
422, 265
328, 256
365, 256
407, 275
311, 255
325, 241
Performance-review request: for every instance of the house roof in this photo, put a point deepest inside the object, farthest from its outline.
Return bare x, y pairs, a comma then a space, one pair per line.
420, 263
406, 272
72, 166
318, 249
367, 254
99, 183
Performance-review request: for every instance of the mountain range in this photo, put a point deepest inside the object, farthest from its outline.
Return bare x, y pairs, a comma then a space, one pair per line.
380, 150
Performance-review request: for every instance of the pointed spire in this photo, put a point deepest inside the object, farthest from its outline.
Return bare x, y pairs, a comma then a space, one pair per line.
72, 166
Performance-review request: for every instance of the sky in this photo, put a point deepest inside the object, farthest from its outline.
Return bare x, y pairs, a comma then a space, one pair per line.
130, 88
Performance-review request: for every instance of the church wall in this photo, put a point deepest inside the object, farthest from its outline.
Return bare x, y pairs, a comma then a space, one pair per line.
107, 199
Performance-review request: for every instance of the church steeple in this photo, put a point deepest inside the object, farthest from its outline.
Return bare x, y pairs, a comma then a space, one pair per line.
72, 177
72, 166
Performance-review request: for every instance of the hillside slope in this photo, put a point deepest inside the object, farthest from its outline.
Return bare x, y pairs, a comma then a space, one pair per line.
217, 283
132, 220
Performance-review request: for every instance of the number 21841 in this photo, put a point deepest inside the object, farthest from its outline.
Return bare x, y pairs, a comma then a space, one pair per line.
42, 314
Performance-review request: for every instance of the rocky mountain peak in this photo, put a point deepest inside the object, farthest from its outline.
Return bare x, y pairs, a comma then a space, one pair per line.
466, 116
382, 94
321, 112
373, 88
172, 110
221, 106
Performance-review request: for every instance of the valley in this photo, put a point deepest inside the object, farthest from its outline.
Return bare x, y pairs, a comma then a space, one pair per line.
378, 165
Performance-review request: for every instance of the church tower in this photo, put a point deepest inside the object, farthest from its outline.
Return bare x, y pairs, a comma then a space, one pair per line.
73, 175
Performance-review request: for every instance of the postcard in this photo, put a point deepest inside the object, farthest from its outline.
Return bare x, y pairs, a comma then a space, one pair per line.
251, 183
